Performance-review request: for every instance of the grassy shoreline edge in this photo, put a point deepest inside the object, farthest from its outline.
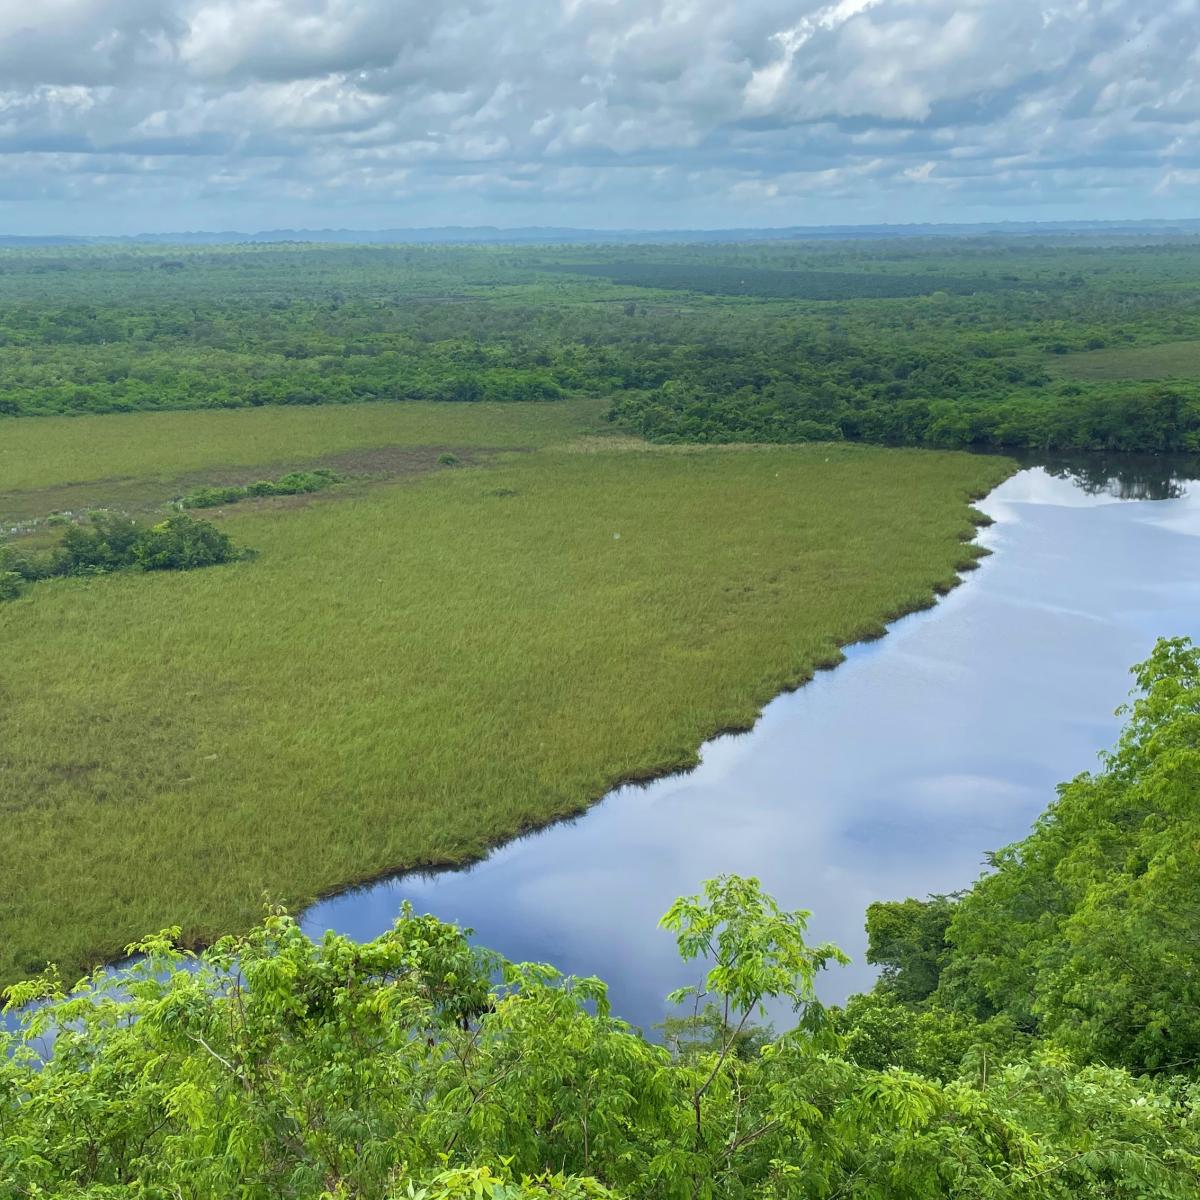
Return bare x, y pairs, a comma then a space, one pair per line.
648, 775
735, 714
643, 776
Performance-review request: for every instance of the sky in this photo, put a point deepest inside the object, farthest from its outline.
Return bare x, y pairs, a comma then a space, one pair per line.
125, 116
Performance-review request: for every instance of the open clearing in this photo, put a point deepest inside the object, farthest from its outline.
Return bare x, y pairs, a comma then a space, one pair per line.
51, 451
1170, 360
427, 665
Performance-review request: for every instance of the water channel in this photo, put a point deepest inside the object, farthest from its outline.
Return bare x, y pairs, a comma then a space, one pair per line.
887, 777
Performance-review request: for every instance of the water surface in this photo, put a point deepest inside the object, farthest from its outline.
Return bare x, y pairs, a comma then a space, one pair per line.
887, 777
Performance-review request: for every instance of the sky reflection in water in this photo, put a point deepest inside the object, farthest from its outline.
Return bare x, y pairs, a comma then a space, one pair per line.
887, 777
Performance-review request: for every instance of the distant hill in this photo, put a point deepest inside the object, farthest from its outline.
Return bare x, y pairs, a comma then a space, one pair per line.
559, 235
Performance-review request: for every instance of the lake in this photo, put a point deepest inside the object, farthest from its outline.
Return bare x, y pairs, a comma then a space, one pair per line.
890, 776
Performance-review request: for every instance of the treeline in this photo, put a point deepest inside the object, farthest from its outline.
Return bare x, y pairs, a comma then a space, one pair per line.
718, 279
1034, 1039
921, 344
1136, 418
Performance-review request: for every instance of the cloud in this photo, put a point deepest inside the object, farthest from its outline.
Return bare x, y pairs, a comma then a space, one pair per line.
667, 112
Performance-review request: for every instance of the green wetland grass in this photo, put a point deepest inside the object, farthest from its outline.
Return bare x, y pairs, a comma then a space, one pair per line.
1167, 360
410, 672
55, 451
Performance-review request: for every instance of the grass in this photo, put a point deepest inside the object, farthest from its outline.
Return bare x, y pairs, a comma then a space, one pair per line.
51, 451
411, 671
136, 462
1169, 360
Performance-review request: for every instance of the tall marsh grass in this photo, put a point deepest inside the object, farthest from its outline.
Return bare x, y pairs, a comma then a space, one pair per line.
50, 451
404, 676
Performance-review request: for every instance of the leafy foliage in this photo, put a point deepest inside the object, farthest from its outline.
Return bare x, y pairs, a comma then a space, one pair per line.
294, 483
907, 938
964, 343
1156, 419
881, 1031
181, 543
1088, 930
111, 542
419, 1066
12, 585
1085, 932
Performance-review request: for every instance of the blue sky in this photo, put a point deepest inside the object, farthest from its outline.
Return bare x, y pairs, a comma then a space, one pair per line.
121, 116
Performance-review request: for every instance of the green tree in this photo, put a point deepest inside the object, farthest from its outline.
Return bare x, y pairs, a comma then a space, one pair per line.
907, 938
1089, 929
181, 543
419, 1066
105, 543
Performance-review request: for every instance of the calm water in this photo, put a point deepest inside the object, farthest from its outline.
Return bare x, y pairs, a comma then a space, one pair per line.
885, 778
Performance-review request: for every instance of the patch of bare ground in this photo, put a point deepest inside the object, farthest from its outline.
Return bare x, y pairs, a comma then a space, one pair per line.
391, 462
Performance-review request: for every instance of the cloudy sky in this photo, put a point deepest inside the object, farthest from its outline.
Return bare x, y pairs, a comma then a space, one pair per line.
118, 116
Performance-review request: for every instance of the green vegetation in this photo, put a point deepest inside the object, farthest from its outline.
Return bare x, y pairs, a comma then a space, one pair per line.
108, 542
294, 483
1148, 421
1171, 360
423, 662
1087, 932
38, 456
717, 279
417, 668
419, 1065
982, 342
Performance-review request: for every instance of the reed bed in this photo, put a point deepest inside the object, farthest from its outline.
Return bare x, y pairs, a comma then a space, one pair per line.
407, 675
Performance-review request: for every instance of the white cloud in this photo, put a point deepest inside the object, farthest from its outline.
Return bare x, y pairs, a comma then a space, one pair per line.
671, 112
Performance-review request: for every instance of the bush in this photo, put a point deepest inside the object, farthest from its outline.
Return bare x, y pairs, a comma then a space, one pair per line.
212, 497
106, 544
181, 543
294, 483
29, 567
115, 543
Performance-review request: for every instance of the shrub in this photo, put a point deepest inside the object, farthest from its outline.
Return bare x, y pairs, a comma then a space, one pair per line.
212, 497
28, 567
106, 544
294, 483
115, 543
181, 543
